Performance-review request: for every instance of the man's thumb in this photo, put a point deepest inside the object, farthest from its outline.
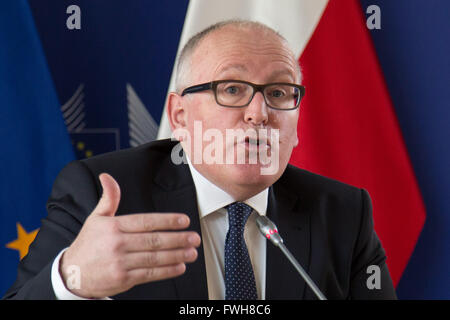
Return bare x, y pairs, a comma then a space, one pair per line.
109, 202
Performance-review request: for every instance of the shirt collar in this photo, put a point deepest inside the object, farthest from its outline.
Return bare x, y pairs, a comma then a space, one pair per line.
211, 198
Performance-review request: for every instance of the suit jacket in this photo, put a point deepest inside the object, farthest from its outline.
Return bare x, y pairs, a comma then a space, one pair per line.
327, 225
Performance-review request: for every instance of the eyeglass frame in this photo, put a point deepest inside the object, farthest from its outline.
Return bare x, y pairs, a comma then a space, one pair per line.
256, 88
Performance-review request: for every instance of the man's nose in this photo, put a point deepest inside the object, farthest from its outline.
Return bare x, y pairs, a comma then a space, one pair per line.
256, 112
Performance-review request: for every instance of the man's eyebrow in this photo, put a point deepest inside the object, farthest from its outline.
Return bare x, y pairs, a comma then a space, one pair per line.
243, 68
282, 72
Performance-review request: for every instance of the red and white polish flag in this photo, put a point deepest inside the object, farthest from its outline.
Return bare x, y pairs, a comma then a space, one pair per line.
347, 129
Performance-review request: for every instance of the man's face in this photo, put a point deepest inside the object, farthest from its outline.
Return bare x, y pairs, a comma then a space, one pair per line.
249, 55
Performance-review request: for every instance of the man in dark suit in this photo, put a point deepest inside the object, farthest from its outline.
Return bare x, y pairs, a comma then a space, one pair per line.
130, 243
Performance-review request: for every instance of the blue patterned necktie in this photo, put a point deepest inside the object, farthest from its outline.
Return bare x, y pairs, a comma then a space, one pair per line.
239, 278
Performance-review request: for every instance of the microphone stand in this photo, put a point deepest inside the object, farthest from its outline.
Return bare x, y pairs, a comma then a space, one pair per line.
269, 230
302, 272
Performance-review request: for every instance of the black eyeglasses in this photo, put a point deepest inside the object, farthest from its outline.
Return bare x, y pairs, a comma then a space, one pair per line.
238, 94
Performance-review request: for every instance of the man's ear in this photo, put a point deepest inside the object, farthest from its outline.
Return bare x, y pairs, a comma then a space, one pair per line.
175, 111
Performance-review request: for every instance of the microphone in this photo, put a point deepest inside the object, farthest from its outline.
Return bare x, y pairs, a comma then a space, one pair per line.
270, 231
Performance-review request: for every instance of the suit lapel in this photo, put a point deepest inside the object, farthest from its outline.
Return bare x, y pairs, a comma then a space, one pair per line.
284, 209
175, 192
178, 195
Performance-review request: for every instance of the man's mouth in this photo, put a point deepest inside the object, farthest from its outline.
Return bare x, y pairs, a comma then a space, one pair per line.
258, 142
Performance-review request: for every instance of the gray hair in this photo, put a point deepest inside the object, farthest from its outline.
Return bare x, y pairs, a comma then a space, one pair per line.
183, 69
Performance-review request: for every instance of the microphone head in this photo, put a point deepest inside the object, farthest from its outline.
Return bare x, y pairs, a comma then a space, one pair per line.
269, 230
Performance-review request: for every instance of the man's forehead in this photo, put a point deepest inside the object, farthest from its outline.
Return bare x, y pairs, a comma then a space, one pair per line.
240, 67
231, 49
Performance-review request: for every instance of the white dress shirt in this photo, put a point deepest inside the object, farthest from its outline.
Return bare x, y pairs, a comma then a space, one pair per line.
211, 202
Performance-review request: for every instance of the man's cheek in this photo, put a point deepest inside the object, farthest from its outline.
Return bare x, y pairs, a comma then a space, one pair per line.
295, 143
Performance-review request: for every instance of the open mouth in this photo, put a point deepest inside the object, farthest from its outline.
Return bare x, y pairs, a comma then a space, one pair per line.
257, 142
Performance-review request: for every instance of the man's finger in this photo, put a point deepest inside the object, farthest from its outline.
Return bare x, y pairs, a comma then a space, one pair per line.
109, 202
139, 276
148, 222
151, 241
150, 259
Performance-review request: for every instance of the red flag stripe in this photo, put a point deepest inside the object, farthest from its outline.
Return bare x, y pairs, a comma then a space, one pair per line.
348, 129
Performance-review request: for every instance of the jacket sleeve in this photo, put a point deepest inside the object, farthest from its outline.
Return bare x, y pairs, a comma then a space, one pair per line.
370, 277
74, 195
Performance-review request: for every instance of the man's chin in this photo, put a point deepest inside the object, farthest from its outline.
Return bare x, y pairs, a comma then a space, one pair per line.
250, 174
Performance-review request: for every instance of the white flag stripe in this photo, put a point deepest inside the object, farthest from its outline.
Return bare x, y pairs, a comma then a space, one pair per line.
296, 20
164, 127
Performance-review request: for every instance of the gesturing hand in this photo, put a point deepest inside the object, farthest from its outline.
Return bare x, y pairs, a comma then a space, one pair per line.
116, 253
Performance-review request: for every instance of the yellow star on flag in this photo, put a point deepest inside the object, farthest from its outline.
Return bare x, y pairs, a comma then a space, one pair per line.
23, 241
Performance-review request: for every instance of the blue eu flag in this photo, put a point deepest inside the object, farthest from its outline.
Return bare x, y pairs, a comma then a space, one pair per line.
34, 141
